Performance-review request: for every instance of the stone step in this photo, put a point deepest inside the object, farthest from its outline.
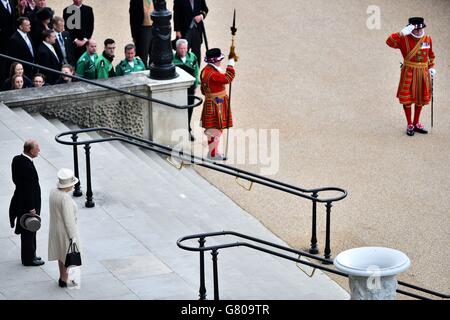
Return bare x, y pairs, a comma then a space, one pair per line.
187, 174
186, 197
174, 176
25, 127
138, 172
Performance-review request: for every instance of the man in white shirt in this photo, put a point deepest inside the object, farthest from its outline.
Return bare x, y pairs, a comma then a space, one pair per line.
46, 56
63, 45
26, 200
20, 46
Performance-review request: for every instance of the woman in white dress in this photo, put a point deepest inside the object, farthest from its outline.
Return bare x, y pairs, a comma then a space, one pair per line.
63, 222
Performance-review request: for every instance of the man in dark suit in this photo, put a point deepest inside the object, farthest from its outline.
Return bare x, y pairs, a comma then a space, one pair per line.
188, 24
20, 45
46, 56
7, 28
39, 5
79, 21
26, 198
63, 45
141, 28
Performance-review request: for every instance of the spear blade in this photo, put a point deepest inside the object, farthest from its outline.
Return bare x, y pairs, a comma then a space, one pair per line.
233, 28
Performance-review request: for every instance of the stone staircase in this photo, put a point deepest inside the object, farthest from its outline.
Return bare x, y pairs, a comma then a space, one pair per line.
142, 206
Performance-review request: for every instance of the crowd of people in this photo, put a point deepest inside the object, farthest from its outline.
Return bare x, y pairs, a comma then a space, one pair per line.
30, 31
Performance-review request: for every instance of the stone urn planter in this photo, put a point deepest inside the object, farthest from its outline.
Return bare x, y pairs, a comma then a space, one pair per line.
372, 271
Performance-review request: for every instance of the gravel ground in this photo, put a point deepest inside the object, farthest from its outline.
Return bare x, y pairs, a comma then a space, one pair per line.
314, 71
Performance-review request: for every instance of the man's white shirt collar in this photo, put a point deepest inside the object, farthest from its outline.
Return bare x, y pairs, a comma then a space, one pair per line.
31, 159
216, 67
23, 34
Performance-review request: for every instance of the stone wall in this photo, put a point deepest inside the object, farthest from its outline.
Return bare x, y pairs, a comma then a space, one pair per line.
88, 105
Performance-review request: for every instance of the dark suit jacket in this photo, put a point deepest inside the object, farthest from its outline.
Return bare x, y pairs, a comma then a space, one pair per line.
46, 58
183, 14
7, 28
7, 25
68, 44
36, 34
27, 195
18, 49
87, 23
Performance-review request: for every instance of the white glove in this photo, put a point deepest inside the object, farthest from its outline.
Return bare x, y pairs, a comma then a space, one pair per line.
432, 72
231, 62
407, 30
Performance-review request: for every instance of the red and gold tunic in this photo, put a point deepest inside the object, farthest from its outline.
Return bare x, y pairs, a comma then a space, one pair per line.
414, 86
216, 111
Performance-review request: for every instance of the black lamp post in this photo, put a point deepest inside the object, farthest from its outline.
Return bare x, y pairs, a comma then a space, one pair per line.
162, 67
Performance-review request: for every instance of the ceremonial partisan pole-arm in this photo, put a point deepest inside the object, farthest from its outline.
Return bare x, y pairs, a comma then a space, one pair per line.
232, 55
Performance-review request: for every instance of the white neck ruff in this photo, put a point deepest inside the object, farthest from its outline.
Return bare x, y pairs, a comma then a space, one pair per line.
418, 37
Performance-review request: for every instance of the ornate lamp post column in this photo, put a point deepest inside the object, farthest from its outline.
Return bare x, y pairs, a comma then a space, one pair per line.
161, 67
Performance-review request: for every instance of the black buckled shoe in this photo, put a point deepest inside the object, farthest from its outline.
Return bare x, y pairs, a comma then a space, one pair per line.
419, 128
34, 263
410, 130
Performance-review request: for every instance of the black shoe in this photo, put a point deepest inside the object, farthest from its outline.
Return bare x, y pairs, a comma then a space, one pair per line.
34, 263
62, 284
37, 258
419, 128
410, 130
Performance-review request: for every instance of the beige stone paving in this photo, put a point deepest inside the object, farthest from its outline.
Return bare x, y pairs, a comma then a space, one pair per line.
313, 70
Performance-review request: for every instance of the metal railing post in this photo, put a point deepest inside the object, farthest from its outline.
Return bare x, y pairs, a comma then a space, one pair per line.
327, 237
214, 254
202, 290
89, 202
77, 191
314, 249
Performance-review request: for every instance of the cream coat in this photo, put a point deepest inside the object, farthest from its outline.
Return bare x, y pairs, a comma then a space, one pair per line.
63, 225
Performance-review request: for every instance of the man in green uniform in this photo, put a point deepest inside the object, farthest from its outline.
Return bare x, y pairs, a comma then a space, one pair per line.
86, 63
187, 61
103, 65
131, 63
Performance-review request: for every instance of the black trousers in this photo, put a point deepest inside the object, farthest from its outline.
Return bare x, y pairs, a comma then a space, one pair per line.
27, 246
144, 45
194, 38
191, 100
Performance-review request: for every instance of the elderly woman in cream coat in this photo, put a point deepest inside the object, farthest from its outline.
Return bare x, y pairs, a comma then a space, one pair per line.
63, 222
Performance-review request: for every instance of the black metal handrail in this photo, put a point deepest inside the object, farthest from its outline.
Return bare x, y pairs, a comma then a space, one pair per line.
315, 197
105, 86
215, 251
